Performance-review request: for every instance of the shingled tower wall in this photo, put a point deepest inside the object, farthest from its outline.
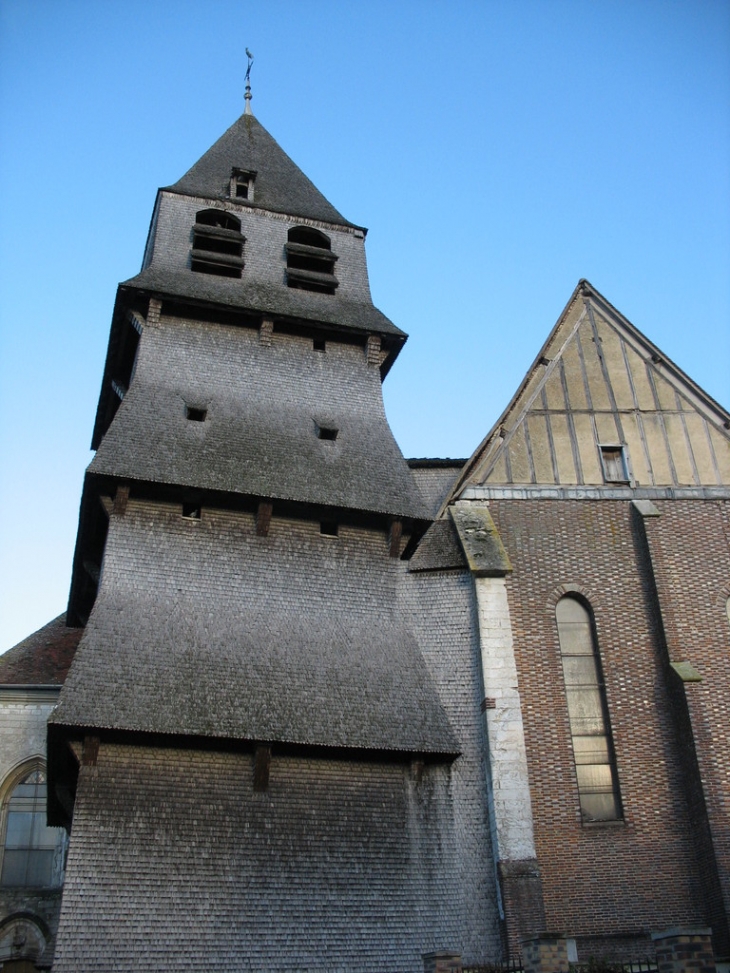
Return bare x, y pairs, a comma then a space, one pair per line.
257, 759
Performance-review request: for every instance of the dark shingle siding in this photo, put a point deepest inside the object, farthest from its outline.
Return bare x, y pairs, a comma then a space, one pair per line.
259, 437
439, 549
185, 868
441, 609
434, 479
264, 298
292, 637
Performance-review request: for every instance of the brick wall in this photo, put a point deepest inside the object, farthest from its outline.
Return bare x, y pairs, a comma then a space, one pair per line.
689, 554
629, 877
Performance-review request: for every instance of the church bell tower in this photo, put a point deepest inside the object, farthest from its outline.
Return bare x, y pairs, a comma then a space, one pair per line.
235, 742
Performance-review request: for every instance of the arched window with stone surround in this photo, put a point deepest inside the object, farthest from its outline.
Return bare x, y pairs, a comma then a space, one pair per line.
595, 763
32, 853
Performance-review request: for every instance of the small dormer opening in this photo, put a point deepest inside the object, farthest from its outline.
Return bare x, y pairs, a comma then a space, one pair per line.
327, 432
310, 263
195, 414
328, 528
217, 244
242, 182
615, 467
319, 344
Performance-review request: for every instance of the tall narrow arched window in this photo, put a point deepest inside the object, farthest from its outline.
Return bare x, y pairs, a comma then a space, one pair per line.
32, 853
595, 764
310, 263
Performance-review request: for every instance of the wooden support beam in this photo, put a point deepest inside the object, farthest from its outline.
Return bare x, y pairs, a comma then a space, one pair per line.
263, 518
266, 332
90, 751
396, 532
261, 768
120, 499
372, 350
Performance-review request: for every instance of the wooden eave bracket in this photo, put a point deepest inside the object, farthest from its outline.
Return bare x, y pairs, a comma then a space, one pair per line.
266, 332
263, 518
483, 548
372, 350
121, 498
154, 310
90, 751
394, 540
261, 768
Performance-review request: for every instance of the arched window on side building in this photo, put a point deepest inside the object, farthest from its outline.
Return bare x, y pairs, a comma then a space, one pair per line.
32, 853
595, 763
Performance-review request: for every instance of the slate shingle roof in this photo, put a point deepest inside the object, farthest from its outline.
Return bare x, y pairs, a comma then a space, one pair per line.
207, 629
259, 437
439, 549
322, 680
280, 184
434, 478
42, 658
279, 302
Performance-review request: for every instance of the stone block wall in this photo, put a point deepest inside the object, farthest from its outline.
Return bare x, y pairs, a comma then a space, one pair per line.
546, 954
684, 950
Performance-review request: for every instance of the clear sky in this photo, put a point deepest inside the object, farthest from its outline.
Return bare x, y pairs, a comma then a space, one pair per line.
497, 150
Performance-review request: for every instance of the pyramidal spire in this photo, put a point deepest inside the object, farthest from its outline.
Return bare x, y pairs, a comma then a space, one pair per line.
247, 96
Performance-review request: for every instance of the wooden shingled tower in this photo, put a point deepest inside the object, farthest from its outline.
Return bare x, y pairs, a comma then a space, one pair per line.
235, 742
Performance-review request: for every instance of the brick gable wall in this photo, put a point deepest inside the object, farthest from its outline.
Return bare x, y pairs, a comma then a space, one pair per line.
631, 877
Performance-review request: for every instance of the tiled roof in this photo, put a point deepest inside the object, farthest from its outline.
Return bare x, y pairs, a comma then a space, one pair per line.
434, 478
439, 549
42, 658
280, 185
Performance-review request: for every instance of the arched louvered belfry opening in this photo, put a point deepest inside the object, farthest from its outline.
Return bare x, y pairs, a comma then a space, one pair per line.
310, 263
217, 244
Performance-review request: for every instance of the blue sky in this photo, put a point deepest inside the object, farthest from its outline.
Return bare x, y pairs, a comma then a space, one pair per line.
498, 152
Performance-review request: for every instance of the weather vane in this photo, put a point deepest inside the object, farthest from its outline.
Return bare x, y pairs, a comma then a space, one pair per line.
247, 96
